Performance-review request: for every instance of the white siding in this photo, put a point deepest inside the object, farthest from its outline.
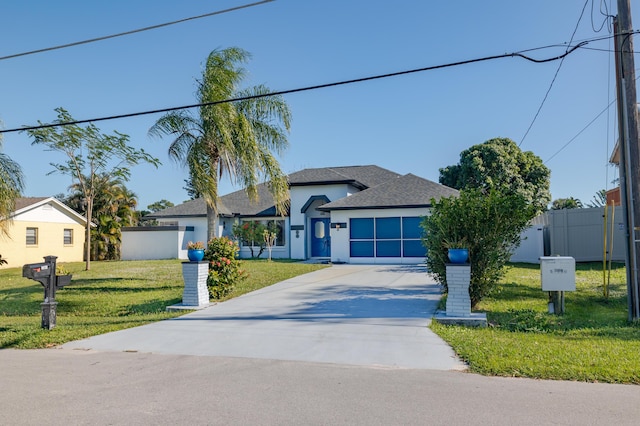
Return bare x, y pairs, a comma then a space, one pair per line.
46, 213
157, 242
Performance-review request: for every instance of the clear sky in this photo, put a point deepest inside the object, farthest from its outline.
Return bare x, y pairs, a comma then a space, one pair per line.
415, 123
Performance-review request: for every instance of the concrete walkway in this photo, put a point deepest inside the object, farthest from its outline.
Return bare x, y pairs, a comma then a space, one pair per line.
368, 315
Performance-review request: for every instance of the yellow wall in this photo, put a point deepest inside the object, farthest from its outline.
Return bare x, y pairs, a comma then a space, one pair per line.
50, 242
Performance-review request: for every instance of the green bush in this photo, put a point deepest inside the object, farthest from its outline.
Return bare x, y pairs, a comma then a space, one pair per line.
224, 266
490, 225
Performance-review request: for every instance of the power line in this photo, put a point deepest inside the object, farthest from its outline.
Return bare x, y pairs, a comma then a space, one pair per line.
302, 89
583, 129
580, 132
139, 30
535, 117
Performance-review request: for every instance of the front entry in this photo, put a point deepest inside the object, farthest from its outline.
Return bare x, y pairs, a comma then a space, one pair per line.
320, 238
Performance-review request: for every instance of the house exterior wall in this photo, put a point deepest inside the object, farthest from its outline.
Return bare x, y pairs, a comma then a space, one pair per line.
300, 241
50, 223
340, 237
156, 242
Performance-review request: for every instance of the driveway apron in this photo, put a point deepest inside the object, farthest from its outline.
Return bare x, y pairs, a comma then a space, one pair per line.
374, 315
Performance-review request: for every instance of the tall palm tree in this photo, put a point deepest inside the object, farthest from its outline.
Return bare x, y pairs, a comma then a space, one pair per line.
239, 139
11, 185
113, 207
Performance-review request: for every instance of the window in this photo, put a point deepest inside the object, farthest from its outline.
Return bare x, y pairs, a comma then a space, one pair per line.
32, 236
276, 225
68, 237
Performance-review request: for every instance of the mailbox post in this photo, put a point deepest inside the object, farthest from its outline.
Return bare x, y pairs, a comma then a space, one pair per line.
558, 274
45, 274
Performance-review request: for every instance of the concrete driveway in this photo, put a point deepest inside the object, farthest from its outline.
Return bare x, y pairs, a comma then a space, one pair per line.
369, 315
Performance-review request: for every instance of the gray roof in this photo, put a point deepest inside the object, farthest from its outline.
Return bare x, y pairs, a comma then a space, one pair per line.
360, 176
191, 208
23, 202
236, 203
382, 188
402, 192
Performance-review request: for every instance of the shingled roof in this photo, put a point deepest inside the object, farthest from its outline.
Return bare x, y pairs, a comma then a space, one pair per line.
381, 188
402, 192
23, 202
235, 204
362, 177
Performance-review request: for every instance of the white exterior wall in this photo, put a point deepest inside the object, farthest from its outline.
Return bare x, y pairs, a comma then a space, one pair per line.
199, 225
300, 243
157, 242
340, 237
47, 213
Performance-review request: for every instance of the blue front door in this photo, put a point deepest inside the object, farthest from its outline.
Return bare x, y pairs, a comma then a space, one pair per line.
320, 239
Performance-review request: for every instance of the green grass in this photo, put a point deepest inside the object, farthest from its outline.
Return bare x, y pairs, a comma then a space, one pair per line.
592, 341
111, 296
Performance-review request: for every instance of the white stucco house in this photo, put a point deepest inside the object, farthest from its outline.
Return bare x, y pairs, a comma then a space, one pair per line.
352, 214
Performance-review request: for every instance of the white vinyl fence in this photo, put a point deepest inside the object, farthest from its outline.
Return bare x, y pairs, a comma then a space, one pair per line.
578, 233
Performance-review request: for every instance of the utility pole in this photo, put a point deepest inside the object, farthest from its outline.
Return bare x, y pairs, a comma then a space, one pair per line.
629, 147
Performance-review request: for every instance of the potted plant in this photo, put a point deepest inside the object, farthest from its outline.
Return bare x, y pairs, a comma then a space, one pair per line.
63, 277
457, 250
195, 251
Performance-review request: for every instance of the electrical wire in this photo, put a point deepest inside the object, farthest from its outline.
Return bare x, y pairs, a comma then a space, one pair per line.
580, 132
303, 89
583, 129
139, 30
546, 95
606, 15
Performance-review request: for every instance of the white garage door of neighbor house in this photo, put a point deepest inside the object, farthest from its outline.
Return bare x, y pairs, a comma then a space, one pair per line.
390, 237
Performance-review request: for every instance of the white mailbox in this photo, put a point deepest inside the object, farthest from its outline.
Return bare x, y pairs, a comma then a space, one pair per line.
558, 273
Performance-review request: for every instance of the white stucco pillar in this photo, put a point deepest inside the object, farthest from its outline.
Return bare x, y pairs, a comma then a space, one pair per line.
458, 300
195, 291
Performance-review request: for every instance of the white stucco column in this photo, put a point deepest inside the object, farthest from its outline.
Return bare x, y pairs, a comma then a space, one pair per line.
458, 300
195, 283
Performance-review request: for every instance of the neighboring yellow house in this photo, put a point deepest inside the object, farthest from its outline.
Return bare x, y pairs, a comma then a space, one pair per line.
40, 227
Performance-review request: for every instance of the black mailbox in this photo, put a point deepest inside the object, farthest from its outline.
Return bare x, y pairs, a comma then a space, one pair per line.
36, 270
45, 274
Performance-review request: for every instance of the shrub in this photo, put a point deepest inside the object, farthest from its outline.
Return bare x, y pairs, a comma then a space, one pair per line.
490, 224
224, 267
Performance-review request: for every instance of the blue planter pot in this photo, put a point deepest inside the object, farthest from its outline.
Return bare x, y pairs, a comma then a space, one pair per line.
458, 255
195, 255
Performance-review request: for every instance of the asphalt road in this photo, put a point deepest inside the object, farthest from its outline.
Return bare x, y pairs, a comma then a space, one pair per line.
347, 345
73, 387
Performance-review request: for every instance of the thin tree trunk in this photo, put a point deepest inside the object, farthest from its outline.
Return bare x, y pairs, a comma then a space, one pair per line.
212, 223
87, 241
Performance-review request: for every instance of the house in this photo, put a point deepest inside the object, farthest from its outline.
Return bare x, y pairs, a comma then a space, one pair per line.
42, 227
354, 214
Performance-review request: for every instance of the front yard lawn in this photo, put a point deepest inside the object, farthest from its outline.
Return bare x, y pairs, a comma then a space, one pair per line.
592, 341
111, 296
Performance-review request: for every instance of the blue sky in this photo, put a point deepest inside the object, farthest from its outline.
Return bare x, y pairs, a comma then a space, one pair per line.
416, 123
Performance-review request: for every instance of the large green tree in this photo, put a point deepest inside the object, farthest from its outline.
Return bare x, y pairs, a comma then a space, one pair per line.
238, 139
91, 157
500, 164
114, 206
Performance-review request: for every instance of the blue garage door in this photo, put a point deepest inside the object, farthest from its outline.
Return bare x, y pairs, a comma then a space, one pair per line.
390, 237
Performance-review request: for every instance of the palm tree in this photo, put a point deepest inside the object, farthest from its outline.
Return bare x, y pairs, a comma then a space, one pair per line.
113, 207
237, 139
11, 185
